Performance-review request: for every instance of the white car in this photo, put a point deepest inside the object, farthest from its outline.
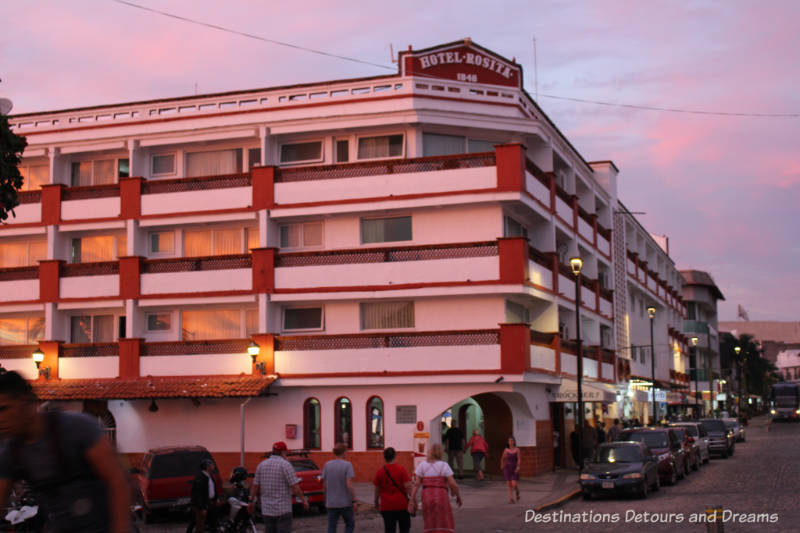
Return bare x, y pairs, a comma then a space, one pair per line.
700, 435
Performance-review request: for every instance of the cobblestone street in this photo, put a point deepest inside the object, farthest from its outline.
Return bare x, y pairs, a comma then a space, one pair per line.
762, 477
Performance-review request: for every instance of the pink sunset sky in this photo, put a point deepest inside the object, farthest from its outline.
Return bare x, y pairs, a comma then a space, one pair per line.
724, 189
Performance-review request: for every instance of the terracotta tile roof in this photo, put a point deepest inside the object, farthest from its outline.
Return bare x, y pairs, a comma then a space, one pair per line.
154, 387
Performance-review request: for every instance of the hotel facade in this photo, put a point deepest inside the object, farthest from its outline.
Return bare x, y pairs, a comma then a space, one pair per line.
398, 248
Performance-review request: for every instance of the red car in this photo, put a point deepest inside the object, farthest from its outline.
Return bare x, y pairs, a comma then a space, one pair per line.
666, 444
690, 447
164, 478
310, 480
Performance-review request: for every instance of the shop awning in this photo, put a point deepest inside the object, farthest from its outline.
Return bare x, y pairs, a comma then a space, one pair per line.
592, 392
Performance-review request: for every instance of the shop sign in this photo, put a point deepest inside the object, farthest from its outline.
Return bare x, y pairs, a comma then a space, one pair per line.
464, 63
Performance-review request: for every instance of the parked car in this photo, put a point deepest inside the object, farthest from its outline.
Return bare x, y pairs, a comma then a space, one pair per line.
737, 427
690, 447
620, 468
666, 445
310, 477
700, 435
720, 438
164, 478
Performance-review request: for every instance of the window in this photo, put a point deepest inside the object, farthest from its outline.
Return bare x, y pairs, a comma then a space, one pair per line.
434, 144
342, 151
253, 157
97, 172
476, 146
23, 330
162, 243
512, 228
516, 313
302, 318
212, 242
163, 164
605, 337
251, 237
305, 152
375, 423
250, 322
34, 176
379, 147
159, 321
343, 420
691, 311
97, 328
211, 324
311, 425
213, 163
20, 254
385, 229
123, 168
387, 315
301, 235
98, 248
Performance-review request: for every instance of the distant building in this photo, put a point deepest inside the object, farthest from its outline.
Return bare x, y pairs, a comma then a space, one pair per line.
774, 336
701, 295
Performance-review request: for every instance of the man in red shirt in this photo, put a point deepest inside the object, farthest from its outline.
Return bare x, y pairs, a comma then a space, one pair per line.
392, 485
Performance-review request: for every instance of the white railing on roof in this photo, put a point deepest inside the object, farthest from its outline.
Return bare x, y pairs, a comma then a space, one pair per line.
268, 99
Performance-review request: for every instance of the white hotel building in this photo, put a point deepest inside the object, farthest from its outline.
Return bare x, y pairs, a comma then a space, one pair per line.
397, 246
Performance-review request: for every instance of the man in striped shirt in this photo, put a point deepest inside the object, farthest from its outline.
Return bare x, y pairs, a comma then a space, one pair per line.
275, 482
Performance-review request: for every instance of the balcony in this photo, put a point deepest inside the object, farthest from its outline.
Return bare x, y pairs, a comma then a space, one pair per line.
99, 201
395, 266
195, 358
382, 179
197, 274
185, 195
89, 280
19, 284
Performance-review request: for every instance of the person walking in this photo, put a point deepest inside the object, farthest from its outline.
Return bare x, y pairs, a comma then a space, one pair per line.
614, 431
455, 439
274, 484
574, 448
340, 496
601, 434
434, 477
203, 499
589, 436
480, 450
64, 457
510, 463
392, 488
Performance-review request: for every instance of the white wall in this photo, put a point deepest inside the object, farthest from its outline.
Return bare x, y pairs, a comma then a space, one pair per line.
89, 286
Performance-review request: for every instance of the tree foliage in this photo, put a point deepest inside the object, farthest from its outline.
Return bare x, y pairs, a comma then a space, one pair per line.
11, 148
761, 373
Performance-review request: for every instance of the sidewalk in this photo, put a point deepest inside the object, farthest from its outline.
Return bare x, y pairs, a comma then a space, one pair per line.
541, 491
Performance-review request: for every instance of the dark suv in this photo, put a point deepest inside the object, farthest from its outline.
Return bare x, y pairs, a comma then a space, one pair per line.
165, 476
720, 438
667, 445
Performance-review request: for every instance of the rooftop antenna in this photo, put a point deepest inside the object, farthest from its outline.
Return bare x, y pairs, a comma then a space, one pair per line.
391, 53
535, 73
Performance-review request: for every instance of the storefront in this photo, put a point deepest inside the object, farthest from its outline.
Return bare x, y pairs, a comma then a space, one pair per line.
597, 398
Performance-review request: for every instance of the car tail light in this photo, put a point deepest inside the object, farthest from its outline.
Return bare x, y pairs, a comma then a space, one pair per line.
691, 440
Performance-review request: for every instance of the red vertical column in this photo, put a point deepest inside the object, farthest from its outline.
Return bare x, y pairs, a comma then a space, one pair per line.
266, 352
554, 268
263, 185
51, 203
130, 277
130, 197
515, 348
49, 271
52, 352
129, 352
264, 269
513, 257
510, 167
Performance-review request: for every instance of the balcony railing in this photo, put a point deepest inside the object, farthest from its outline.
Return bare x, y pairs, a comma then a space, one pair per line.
539, 257
222, 346
104, 268
537, 173
391, 340
18, 273
90, 192
204, 183
17, 351
540, 337
191, 264
105, 349
29, 197
564, 195
388, 255
392, 166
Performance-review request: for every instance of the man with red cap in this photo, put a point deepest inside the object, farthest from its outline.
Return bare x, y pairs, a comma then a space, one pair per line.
275, 482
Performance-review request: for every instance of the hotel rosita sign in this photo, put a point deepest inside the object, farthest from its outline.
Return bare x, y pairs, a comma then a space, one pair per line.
463, 61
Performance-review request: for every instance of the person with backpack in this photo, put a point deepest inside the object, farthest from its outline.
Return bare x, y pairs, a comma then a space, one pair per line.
392, 486
66, 460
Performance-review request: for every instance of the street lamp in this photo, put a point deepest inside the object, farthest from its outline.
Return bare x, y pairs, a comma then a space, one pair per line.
651, 312
695, 340
253, 350
38, 357
577, 263
738, 350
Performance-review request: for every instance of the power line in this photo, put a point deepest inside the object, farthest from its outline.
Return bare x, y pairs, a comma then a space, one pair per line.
387, 67
250, 35
672, 109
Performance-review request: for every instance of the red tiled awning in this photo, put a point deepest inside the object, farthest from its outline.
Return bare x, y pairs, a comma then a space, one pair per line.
154, 387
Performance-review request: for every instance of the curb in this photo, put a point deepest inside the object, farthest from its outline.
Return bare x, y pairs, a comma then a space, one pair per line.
558, 502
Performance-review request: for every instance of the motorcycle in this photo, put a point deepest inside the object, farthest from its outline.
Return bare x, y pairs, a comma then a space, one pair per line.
23, 513
238, 520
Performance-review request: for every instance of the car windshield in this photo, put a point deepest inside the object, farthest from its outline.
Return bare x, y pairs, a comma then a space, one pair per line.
652, 440
177, 464
618, 454
714, 425
692, 430
730, 424
304, 465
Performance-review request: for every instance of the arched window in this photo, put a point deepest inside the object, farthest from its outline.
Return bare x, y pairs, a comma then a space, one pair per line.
311, 425
375, 422
343, 417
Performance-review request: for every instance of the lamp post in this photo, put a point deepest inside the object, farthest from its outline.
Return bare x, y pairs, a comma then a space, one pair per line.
738, 350
708, 372
695, 340
577, 263
651, 312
